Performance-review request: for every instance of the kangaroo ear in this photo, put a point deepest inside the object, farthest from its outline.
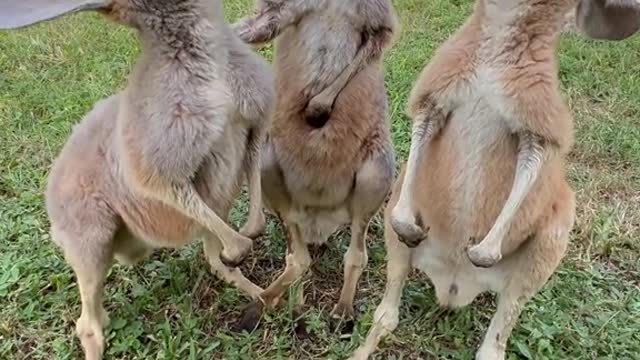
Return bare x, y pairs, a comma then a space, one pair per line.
608, 19
19, 13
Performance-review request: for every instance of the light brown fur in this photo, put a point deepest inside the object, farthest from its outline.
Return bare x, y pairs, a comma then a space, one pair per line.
328, 159
490, 129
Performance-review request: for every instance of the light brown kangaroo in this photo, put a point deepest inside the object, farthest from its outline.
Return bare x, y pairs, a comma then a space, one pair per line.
160, 163
328, 160
486, 163
489, 138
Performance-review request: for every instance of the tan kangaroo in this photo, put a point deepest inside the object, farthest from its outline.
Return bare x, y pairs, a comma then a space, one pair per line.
483, 204
160, 163
328, 159
489, 138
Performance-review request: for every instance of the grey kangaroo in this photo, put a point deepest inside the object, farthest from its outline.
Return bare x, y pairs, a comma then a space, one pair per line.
608, 19
160, 163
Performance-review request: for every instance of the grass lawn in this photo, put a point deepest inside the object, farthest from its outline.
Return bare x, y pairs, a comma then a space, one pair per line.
172, 307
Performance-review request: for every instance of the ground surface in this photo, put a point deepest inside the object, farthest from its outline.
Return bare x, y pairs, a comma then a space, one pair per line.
171, 307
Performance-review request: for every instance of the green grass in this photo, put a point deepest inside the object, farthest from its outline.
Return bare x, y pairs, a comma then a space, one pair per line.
172, 307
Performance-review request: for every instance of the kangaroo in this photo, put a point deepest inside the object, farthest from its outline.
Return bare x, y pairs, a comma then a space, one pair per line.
328, 158
160, 163
608, 19
468, 114
483, 203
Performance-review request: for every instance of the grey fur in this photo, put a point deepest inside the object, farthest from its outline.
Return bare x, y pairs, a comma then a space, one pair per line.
608, 19
160, 163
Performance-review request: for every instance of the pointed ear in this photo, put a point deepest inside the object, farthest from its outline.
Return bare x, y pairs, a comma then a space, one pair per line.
608, 19
19, 13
